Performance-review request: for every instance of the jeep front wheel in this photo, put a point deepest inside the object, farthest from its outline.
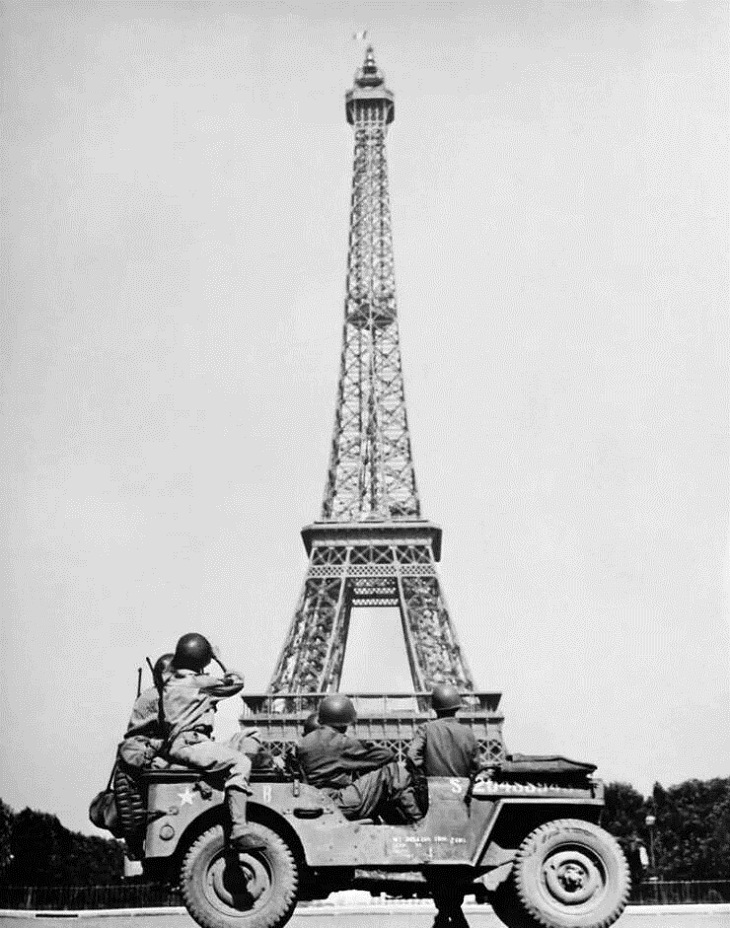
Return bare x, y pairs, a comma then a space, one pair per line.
257, 890
571, 874
508, 908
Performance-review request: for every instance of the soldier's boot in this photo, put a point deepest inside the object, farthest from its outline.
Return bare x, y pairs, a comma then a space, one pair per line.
442, 919
243, 839
452, 909
458, 919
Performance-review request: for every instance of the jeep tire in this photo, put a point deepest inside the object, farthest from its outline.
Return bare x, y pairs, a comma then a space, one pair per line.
257, 890
508, 908
570, 874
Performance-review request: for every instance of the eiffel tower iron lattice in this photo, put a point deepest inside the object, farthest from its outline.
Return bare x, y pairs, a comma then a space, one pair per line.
371, 547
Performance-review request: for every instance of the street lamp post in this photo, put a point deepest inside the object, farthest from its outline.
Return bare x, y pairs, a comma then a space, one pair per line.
650, 822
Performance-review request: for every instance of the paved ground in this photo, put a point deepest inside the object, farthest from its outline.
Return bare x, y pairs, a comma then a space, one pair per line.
479, 917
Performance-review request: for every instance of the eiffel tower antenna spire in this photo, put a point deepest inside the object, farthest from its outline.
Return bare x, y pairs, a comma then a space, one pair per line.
371, 547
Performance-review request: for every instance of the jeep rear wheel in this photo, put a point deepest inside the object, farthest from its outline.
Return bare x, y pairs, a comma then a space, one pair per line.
571, 874
255, 890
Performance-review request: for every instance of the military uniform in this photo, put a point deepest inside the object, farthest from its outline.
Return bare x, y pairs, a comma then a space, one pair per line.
363, 779
444, 748
190, 700
144, 736
448, 896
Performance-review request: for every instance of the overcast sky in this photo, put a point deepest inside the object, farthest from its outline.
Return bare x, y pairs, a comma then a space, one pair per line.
175, 199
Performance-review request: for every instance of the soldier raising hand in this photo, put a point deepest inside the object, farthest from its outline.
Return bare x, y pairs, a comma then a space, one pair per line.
190, 700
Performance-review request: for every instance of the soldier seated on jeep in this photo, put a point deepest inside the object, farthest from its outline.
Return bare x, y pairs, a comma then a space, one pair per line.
363, 779
145, 734
189, 702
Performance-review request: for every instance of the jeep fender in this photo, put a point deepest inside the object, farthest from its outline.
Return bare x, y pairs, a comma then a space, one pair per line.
513, 820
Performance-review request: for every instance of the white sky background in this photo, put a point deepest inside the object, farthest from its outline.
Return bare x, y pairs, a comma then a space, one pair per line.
174, 213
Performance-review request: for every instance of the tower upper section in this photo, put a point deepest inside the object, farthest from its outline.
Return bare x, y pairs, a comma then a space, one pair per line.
371, 476
369, 99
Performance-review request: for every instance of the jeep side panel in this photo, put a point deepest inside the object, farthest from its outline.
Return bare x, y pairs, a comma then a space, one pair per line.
454, 831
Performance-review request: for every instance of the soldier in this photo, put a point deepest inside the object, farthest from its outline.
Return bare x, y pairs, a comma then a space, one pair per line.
145, 736
189, 702
444, 747
364, 779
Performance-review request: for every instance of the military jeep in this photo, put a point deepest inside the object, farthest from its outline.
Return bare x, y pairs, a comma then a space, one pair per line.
523, 835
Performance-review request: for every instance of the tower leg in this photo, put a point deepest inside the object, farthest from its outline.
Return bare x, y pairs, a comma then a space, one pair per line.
302, 666
438, 654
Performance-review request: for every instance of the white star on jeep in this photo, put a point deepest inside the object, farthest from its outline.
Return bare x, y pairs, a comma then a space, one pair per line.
187, 797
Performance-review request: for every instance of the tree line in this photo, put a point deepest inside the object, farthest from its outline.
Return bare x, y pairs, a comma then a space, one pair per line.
685, 829
36, 850
687, 838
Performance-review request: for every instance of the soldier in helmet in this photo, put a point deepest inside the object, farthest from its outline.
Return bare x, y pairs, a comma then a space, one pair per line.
364, 779
145, 736
444, 747
190, 699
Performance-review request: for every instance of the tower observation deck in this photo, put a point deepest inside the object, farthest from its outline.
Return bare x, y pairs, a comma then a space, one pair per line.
371, 546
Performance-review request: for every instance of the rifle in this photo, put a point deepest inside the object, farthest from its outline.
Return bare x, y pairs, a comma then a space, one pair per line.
160, 687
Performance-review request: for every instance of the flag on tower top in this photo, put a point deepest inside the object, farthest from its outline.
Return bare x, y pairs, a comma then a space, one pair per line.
360, 36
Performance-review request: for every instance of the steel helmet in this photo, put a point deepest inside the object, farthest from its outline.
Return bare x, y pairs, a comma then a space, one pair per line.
336, 710
162, 668
445, 697
193, 652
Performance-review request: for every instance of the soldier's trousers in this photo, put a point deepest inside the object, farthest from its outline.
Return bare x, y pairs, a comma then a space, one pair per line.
197, 750
387, 792
448, 888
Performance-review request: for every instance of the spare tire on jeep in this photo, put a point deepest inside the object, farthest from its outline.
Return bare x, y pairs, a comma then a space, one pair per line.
131, 809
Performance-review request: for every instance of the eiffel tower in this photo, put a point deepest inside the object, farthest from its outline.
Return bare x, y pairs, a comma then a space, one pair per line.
370, 547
